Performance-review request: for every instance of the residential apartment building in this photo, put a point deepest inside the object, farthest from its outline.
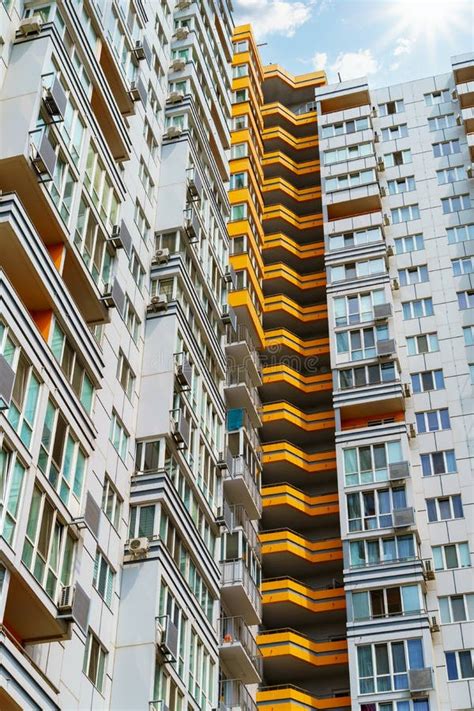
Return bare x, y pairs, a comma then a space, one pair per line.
117, 491
396, 173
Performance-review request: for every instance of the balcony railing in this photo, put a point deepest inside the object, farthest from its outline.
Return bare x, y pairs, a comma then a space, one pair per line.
234, 630
240, 376
234, 573
237, 420
234, 696
239, 469
240, 519
243, 335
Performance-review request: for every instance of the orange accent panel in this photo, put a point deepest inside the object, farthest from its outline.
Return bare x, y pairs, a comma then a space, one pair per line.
57, 252
359, 422
43, 321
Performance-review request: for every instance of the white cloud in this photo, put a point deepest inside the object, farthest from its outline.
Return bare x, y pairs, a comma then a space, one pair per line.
319, 61
273, 16
393, 67
352, 65
403, 46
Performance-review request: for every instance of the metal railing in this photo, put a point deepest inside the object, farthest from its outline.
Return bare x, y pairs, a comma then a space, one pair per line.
240, 519
235, 572
242, 421
233, 695
239, 376
239, 468
234, 629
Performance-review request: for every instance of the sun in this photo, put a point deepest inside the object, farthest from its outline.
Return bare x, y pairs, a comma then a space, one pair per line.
423, 21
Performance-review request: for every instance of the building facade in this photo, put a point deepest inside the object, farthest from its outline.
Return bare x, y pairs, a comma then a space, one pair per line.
236, 366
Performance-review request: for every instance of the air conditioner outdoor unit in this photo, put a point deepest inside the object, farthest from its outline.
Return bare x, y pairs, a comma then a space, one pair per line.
373, 113
173, 132
395, 284
177, 65
183, 4
183, 373
65, 598
229, 275
115, 238
167, 638
174, 97
158, 303
470, 172
221, 461
398, 471
383, 192
382, 312
139, 547
386, 219
55, 100
133, 91
459, 119
434, 626
138, 51
454, 94
403, 518
390, 251
411, 431
161, 256
406, 390
380, 165
376, 137
30, 25
428, 571
420, 681
181, 33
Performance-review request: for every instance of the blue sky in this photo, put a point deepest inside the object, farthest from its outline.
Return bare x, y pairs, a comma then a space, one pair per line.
390, 41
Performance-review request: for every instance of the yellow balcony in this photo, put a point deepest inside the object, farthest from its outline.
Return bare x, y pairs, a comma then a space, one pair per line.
284, 420
279, 190
291, 698
276, 138
289, 553
276, 114
283, 374
288, 655
283, 279
288, 599
278, 218
292, 503
284, 461
247, 314
304, 320
287, 343
276, 164
278, 247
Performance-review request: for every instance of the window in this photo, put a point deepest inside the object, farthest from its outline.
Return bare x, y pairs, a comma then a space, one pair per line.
101, 190
357, 308
238, 212
463, 233
433, 420
378, 551
438, 123
91, 243
468, 333
239, 150
241, 46
357, 238
438, 463
345, 127
385, 602
471, 372
425, 343
384, 667
367, 375
71, 366
111, 503
348, 153
392, 132
239, 122
412, 243
452, 555
131, 319
406, 705
141, 222
142, 521
417, 308
238, 180
391, 108
137, 270
427, 380
61, 458
456, 608
61, 187
460, 665
456, 203
446, 148
368, 464
413, 275
125, 375
462, 266
24, 400
94, 661
369, 510
444, 508
146, 179
150, 139
103, 578
466, 300
406, 213
358, 270
437, 97
240, 70
397, 158
12, 475
451, 175
401, 185
351, 180
362, 343
48, 550
118, 436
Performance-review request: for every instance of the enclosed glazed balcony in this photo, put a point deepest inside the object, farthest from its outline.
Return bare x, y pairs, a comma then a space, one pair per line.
285, 551
370, 389
289, 655
353, 201
293, 698
239, 592
241, 430
238, 650
286, 598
